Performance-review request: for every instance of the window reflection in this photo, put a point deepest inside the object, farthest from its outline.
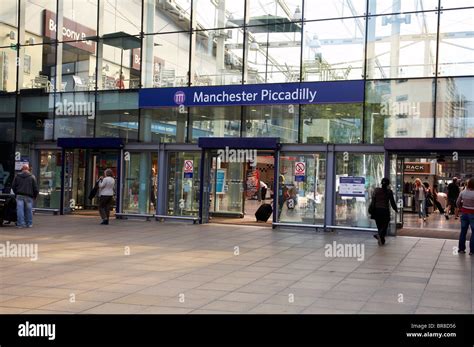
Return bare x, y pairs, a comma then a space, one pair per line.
455, 108
331, 123
399, 108
401, 45
333, 50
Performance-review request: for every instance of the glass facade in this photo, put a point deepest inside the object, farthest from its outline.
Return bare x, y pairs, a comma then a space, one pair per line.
75, 69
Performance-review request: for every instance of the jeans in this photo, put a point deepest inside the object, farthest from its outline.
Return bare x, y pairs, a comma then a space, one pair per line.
466, 221
421, 208
24, 210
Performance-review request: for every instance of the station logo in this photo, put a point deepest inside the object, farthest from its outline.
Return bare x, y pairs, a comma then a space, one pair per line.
179, 97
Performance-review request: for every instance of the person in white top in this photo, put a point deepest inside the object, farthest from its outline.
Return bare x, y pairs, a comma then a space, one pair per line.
106, 195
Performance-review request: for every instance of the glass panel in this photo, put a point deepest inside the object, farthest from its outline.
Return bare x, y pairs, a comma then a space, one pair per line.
322, 9
183, 188
397, 6
166, 16
166, 60
352, 211
215, 121
35, 122
122, 16
290, 10
456, 3
402, 45
49, 180
301, 198
74, 115
9, 20
219, 14
455, 107
333, 123
117, 116
78, 66
334, 50
219, 57
163, 125
227, 187
274, 53
272, 121
120, 69
7, 119
399, 108
80, 19
456, 53
36, 24
139, 193
39, 68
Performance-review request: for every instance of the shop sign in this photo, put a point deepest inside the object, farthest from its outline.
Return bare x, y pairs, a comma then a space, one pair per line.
71, 30
188, 168
257, 94
352, 186
421, 168
300, 171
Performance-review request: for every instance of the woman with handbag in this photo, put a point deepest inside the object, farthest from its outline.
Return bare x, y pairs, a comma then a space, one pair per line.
379, 209
420, 198
106, 195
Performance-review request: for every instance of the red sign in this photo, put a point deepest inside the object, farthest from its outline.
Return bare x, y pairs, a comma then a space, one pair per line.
72, 31
188, 166
300, 168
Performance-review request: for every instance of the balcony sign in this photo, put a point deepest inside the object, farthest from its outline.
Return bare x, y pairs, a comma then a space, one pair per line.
256, 94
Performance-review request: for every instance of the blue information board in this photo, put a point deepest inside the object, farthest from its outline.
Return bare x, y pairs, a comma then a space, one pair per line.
220, 181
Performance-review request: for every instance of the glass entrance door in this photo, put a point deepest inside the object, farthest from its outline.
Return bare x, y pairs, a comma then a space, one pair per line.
74, 180
82, 168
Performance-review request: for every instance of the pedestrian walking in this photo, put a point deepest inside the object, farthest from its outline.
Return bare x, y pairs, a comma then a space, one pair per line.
106, 195
26, 190
429, 198
420, 198
436, 201
382, 199
465, 203
453, 194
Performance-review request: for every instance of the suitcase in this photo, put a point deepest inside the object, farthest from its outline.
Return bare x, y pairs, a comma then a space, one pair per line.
7, 208
264, 212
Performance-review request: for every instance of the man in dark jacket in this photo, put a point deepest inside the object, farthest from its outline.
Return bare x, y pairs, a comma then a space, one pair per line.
26, 189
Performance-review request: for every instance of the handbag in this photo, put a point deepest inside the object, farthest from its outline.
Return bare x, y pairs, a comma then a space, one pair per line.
94, 191
372, 208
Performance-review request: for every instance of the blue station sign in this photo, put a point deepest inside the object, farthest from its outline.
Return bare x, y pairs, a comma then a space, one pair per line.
254, 94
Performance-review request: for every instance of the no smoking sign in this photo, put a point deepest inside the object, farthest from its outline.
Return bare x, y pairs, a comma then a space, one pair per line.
188, 168
300, 171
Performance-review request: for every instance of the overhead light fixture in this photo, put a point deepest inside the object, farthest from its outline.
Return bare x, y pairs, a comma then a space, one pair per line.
297, 14
254, 46
11, 35
315, 43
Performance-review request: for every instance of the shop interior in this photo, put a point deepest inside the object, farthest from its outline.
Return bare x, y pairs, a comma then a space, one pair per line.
436, 172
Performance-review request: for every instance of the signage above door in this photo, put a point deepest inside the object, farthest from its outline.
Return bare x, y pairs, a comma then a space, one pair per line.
254, 94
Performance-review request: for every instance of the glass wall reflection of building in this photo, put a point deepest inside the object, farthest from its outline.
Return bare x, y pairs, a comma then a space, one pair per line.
75, 70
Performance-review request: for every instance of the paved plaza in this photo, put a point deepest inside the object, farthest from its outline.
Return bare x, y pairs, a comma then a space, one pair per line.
135, 266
